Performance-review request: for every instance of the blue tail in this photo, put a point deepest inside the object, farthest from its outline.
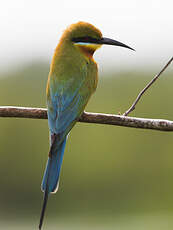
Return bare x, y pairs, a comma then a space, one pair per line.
52, 172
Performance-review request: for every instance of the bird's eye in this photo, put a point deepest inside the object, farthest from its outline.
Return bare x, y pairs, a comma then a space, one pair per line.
86, 39
81, 39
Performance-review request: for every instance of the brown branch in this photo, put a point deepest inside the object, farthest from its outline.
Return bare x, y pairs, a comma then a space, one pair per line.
146, 87
23, 112
97, 118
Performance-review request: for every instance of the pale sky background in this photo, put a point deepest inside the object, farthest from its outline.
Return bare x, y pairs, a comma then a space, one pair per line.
30, 30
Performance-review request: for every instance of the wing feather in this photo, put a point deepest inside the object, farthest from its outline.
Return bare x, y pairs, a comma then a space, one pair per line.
66, 105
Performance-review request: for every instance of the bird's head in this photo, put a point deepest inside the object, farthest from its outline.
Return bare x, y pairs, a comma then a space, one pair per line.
88, 38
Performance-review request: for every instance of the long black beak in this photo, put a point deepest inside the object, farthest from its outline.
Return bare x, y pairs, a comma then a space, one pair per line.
102, 41
108, 41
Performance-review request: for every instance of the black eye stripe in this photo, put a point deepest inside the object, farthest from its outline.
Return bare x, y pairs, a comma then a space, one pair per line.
86, 39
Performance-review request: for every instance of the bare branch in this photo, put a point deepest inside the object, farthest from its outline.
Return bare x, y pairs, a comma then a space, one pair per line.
146, 87
97, 118
23, 112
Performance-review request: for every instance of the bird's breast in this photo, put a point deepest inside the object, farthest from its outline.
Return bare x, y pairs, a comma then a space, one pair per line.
92, 76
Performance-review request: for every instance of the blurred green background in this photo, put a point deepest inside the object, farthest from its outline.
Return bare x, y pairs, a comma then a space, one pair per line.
112, 177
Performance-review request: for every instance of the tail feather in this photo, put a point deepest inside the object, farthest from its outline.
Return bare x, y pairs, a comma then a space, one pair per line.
45, 199
52, 172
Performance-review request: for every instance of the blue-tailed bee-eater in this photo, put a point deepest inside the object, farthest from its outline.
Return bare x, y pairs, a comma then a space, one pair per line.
72, 80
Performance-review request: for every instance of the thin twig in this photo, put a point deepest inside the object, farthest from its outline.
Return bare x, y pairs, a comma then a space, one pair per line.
97, 118
146, 87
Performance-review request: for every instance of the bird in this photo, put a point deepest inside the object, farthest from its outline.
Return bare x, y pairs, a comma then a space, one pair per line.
72, 79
